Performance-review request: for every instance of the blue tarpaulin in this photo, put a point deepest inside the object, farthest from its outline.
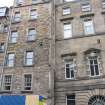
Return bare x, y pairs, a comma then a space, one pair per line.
22, 100
12, 100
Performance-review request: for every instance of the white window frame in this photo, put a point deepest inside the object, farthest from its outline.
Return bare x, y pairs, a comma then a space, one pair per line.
31, 37
24, 81
13, 37
7, 83
66, 11
35, 16
86, 7
8, 60
74, 70
94, 65
67, 27
89, 24
25, 58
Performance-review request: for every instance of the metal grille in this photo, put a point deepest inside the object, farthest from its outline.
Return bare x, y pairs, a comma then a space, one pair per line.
97, 100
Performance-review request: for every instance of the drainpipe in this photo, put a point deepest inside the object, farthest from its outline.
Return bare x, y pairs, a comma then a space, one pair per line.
6, 46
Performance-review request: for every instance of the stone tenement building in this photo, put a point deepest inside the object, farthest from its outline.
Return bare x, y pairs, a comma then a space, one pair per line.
54, 48
25, 66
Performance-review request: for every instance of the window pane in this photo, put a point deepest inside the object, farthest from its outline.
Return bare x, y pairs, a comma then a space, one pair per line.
67, 26
29, 55
11, 63
67, 73
5, 28
10, 60
7, 82
91, 62
32, 31
11, 56
34, 1
2, 47
96, 70
14, 36
29, 58
2, 11
17, 16
86, 7
92, 70
19, 1
70, 68
33, 14
94, 65
72, 74
31, 34
29, 62
67, 31
68, 0
95, 61
71, 100
103, 4
66, 11
88, 27
27, 81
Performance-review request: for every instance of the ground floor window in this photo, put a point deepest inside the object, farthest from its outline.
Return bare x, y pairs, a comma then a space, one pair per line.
70, 99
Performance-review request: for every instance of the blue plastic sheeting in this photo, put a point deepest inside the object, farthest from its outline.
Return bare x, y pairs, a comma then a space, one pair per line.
12, 100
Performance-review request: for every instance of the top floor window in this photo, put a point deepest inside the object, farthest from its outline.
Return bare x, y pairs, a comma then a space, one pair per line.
68, 0
86, 7
17, 17
19, 2
2, 11
66, 11
34, 1
103, 4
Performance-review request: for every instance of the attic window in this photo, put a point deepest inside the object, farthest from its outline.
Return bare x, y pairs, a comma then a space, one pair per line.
68, 0
19, 2
103, 4
2, 11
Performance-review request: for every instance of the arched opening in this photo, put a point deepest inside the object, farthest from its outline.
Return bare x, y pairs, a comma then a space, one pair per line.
97, 100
